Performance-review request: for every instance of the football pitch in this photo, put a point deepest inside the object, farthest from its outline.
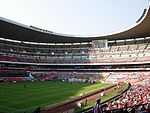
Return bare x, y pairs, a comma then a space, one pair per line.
26, 96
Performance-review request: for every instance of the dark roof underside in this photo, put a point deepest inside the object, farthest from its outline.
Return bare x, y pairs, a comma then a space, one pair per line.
13, 31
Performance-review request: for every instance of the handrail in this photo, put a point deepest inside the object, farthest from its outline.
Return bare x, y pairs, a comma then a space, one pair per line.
90, 109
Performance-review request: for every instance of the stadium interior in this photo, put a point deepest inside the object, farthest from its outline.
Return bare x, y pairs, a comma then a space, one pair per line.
28, 53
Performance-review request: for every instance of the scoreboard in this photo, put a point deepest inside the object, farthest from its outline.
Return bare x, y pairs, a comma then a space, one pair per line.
99, 44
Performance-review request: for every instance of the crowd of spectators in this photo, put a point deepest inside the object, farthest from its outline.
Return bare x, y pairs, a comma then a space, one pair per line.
68, 76
18, 75
138, 94
14, 76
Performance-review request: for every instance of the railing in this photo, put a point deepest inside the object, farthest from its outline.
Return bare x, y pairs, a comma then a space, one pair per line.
90, 110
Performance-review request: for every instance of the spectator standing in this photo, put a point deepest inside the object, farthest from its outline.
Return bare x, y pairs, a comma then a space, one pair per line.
97, 107
86, 102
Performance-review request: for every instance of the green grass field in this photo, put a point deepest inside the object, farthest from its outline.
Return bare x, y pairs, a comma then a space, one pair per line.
15, 98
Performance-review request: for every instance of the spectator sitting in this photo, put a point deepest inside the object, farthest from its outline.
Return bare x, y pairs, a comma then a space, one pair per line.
82, 94
148, 109
102, 94
80, 104
143, 108
133, 110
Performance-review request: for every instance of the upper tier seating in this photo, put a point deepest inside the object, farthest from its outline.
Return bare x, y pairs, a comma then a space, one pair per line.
74, 53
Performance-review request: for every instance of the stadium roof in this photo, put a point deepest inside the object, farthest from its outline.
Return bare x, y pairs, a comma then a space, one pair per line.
16, 31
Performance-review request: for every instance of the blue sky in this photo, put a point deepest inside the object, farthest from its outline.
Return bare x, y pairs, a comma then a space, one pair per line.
75, 17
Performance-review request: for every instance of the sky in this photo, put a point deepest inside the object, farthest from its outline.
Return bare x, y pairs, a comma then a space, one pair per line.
75, 17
